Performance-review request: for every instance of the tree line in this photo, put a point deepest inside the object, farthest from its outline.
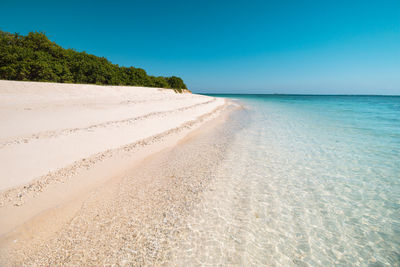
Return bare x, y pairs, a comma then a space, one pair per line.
35, 58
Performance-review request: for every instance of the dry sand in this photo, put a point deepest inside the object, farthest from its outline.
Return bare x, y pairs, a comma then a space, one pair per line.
65, 147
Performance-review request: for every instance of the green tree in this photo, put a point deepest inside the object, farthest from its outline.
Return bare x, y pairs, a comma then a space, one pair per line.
35, 58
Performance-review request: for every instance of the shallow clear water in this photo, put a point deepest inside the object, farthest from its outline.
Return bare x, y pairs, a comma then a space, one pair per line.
308, 180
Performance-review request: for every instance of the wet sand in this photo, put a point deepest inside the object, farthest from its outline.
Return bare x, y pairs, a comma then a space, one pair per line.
136, 218
74, 179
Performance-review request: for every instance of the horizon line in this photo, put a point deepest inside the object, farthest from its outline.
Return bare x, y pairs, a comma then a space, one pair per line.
282, 94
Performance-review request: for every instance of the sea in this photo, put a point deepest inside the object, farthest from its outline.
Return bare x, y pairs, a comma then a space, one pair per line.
306, 180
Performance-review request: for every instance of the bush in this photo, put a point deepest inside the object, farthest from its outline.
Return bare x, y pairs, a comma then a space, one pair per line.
35, 58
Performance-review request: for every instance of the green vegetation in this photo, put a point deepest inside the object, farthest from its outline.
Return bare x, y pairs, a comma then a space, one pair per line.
35, 58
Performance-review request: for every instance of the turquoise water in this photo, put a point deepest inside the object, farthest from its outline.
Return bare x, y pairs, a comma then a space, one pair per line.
307, 181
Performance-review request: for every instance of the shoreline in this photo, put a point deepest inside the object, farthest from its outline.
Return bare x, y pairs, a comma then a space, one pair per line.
74, 179
46, 225
42, 206
47, 126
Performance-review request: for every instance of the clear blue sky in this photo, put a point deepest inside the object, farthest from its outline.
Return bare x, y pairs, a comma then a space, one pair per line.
322, 47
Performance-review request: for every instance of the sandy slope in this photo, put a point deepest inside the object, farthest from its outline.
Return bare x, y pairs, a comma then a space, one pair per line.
45, 126
133, 219
60, 139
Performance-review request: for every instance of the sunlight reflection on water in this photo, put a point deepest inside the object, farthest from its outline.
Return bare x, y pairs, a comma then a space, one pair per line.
310, 181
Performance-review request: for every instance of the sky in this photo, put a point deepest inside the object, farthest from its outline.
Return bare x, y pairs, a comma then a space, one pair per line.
290, 47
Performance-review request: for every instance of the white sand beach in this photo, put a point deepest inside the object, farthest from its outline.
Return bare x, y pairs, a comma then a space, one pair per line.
47, 126
60, 141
